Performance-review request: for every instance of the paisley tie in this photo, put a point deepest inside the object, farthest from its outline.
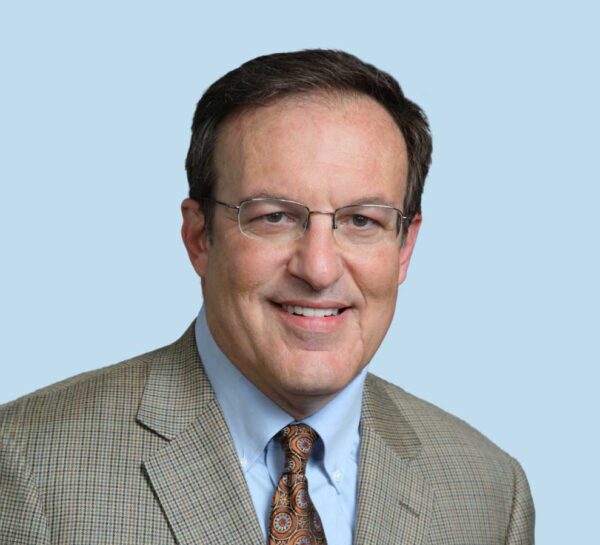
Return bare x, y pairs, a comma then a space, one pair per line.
294, 519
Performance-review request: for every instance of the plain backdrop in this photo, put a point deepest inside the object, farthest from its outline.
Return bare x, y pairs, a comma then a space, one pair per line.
498, 320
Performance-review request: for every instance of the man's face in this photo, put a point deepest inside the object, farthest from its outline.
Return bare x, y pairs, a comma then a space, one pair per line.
324, 153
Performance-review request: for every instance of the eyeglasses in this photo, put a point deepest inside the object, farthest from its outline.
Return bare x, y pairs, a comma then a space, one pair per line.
281, 220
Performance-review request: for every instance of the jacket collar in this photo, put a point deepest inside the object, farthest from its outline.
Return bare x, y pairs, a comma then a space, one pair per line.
395, 502
196, 474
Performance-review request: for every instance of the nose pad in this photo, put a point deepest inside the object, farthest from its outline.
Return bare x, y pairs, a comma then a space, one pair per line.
333, 223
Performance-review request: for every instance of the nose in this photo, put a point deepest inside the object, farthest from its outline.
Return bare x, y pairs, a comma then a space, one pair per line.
316, 258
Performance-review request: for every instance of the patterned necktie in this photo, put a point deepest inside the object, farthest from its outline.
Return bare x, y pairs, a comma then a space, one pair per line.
294, 519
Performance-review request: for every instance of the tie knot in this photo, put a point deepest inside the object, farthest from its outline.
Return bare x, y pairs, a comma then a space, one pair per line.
297, 441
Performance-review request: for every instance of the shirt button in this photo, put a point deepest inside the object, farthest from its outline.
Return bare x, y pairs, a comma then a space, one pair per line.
243, 462
337, 475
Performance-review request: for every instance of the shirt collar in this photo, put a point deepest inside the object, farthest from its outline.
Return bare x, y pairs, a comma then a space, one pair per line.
251, 416
336, 423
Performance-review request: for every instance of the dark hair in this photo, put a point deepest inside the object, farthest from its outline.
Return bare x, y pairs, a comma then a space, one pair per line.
263, 80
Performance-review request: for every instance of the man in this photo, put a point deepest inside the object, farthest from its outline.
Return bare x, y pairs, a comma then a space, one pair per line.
261, 423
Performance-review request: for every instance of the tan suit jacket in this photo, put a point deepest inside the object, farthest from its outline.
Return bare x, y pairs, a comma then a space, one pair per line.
139, 453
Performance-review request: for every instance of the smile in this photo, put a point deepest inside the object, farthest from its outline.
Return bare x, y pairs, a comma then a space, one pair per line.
310, 311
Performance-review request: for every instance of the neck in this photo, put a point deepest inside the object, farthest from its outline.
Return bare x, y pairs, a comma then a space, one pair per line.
300, 407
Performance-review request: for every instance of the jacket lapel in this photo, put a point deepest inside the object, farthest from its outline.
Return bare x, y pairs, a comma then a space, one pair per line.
394, 500
196, 475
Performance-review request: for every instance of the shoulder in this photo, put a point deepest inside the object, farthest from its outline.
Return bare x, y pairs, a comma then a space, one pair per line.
108, 395
445, 440
64, 447
472, 478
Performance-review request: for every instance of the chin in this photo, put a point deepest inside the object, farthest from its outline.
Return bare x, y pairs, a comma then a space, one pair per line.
319, 378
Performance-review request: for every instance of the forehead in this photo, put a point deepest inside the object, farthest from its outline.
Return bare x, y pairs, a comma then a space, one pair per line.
339, 146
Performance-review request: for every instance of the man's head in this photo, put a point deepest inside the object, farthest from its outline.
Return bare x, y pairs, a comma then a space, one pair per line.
326, 130
264, 80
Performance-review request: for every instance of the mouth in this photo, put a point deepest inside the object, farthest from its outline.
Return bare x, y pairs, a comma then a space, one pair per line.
312, 312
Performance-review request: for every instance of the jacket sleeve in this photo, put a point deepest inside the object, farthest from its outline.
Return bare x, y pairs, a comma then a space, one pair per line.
522, 518
22, 518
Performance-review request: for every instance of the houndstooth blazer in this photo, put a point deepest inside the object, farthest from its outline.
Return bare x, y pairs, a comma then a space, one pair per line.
139, 454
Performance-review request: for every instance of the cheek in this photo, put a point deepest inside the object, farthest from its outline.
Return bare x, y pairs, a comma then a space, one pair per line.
377, 277
242, 269
378, 283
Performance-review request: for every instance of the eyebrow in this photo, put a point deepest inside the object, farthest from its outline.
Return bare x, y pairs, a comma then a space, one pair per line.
374, 199
370, 199
265, 195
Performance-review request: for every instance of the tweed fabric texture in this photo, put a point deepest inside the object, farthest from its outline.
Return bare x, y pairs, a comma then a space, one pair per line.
140, 453
294, 519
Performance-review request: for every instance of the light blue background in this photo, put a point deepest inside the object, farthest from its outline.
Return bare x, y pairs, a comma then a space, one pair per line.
498, 320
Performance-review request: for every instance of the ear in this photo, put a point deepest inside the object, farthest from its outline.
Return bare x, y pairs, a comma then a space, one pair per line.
407, 248
195, 236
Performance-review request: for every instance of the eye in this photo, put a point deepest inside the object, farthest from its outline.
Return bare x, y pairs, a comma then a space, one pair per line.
279, 218
273, 217
359, 220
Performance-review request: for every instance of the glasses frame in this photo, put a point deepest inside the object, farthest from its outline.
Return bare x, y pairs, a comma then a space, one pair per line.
310, 212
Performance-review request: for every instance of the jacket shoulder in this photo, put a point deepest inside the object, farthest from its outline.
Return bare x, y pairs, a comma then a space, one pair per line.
72, 454
478, 487
109, 390
441, 433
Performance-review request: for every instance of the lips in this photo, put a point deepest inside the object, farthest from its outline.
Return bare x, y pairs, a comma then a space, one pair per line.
311, 312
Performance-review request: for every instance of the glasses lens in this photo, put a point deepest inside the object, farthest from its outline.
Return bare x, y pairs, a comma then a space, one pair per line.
367, 224
273, 219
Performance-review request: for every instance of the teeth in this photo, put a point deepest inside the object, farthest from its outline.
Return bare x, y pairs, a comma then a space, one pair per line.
310, 311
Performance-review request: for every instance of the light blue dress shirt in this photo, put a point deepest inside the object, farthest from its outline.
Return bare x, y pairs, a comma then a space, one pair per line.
253, 421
